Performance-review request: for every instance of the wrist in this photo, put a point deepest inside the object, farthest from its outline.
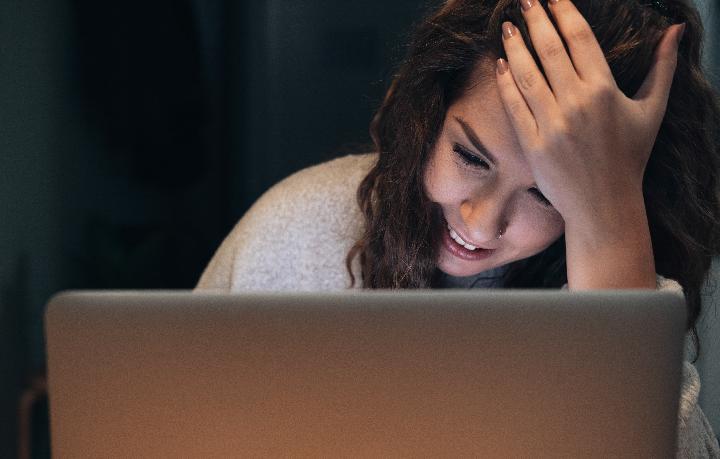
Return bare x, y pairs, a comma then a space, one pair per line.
613, 223
611, 248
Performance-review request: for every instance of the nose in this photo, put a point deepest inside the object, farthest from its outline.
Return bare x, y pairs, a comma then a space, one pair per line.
484, 218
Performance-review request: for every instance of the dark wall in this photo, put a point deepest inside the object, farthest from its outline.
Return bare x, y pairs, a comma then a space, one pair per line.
33, 128
308, 76
134, 134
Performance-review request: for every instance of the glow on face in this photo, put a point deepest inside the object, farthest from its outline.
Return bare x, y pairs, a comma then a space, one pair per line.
484, 185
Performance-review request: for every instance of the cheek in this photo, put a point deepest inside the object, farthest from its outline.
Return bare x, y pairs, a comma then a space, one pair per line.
443, 183
537, 228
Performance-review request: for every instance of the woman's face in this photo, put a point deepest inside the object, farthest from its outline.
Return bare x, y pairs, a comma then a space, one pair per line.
484, 185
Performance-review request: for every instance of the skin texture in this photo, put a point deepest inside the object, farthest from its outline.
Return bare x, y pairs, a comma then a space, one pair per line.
478, 202
577, 136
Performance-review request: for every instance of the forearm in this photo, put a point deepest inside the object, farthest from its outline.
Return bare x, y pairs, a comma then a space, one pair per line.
610, 248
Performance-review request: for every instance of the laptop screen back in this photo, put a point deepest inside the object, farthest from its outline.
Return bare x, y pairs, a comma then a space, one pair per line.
486, 373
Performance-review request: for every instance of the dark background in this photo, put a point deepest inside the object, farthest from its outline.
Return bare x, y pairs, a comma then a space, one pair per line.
134, 134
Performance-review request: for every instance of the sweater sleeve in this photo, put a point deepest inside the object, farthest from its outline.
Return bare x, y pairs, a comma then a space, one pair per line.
696, 438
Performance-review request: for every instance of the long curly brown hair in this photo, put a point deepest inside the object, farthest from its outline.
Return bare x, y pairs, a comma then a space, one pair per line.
400, 243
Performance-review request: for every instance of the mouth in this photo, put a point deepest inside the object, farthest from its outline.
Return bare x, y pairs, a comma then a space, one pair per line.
456, 237
457, 246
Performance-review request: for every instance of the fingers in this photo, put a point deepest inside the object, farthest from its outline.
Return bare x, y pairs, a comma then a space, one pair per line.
587, 55
521, 118
549, 46
655, 90
528, 78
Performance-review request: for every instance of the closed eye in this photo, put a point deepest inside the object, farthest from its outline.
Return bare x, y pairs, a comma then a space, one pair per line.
540, 197
469, 158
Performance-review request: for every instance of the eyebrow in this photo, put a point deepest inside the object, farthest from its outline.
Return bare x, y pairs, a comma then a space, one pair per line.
475, 140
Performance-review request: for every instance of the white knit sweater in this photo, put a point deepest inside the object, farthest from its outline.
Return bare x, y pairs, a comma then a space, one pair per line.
297, 235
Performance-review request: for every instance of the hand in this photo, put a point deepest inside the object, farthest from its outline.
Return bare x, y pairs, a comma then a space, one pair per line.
587, 143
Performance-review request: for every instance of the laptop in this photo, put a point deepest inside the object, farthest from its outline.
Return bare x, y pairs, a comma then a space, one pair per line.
482, 373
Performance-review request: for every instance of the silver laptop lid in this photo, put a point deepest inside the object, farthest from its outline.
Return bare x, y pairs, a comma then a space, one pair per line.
490, 373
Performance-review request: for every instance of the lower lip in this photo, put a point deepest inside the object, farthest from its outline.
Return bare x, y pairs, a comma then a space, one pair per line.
461, 252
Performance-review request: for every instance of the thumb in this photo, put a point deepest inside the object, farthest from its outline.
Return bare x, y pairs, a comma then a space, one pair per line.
655, 90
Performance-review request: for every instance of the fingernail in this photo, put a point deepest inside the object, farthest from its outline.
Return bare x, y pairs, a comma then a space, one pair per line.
508, 29
527, 4
502, 66
554, 1
682, 32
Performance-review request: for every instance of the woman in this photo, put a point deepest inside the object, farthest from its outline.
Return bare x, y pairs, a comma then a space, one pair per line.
519, 145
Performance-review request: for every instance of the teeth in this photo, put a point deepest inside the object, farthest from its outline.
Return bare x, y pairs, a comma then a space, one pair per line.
459, 240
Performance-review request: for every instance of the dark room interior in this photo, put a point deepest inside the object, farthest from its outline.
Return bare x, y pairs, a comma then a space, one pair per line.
135, 134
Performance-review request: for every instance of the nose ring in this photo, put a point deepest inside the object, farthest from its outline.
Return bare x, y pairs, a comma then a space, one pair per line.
502, 232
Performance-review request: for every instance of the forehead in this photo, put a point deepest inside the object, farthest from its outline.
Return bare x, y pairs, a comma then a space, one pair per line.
482, 108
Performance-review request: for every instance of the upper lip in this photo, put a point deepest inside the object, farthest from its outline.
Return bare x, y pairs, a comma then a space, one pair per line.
468, 241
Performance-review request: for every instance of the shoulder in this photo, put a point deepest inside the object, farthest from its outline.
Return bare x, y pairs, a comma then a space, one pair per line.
296, 235
311, 204
327, 184
338, 172
695, 435
668, 285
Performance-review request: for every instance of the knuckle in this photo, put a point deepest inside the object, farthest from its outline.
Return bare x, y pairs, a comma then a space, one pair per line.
582, 35
527, 80
551, 50
515, 108
602, 93
603, 90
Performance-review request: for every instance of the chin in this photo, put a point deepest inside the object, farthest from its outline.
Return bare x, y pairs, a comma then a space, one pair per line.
459, 269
